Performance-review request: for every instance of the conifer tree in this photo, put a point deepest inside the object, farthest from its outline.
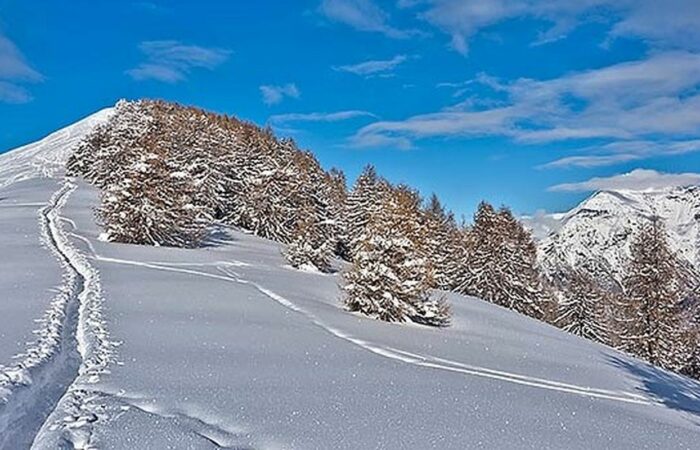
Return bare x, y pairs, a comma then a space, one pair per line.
362, 204
309, 248
650, 320
583, 311
443, 241
389, 278
338, 204
153, 205
501, 265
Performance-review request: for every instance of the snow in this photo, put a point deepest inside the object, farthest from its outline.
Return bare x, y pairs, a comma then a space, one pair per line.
227, 347
28, 273
599, 231
48, 156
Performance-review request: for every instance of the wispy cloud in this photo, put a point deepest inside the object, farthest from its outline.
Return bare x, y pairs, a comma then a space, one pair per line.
624, 151
656, 97
363, 15
319, 116
374, 67
637, 180
15, 71
275, 94
675, 24
172, 61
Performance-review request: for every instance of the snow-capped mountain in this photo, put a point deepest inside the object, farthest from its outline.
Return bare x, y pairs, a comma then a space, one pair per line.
596, 235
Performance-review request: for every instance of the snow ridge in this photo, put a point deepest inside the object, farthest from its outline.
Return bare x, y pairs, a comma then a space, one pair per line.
47, 157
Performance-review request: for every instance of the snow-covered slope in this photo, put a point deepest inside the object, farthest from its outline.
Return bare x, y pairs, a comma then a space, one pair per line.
48, 156
597, 233
227, 347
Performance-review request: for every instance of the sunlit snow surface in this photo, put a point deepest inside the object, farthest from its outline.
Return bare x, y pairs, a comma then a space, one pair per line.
227, 347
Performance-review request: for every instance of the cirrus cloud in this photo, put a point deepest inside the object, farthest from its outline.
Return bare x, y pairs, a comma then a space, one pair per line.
655, 97
15, 72
636, 180
171, 61
624, 151
320, 116
373, 67
273, 95
669, 24
363, 15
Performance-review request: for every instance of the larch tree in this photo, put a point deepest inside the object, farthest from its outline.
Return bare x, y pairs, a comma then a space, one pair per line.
651, 323
338, 191
584, 309
309, 248
154, 205
390, 279
362, 204
501, 265
442, 240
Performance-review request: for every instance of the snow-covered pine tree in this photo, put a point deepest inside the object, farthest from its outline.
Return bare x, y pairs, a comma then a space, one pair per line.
153, 204
338, 203
148, 195
481, 244
362, 204
443, 241
501, 265
389, 278
309, 248
105, 154
691, 326
313, 190
584, 309
267, 175
651, 323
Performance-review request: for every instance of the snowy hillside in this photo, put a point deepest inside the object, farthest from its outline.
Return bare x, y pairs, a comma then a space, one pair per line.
597, 233
49, 155
122, 346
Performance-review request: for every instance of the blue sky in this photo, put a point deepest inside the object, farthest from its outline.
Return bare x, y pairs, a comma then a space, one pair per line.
528, 103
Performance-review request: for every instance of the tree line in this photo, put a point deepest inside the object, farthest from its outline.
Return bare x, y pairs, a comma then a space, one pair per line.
168, 172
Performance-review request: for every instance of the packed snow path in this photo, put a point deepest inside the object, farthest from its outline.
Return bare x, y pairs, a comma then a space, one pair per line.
71, 347
32, 387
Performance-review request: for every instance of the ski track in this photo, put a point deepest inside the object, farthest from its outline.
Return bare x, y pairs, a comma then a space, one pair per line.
425, 361
44, 399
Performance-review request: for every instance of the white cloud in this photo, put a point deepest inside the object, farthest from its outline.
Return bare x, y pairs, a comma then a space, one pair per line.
542, 223
320, 116
14, 72
363, 15
374, 67
275, 94
171, 61
669, 24
657, 96
637, 180
624, 151
12, 93
13, 65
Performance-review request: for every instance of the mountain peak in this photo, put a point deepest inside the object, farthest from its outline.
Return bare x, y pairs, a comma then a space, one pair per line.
596, 234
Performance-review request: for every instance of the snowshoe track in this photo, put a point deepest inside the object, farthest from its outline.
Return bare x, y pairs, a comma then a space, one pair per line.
43, 399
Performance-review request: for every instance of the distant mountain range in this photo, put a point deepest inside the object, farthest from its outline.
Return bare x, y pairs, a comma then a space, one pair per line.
596, 235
